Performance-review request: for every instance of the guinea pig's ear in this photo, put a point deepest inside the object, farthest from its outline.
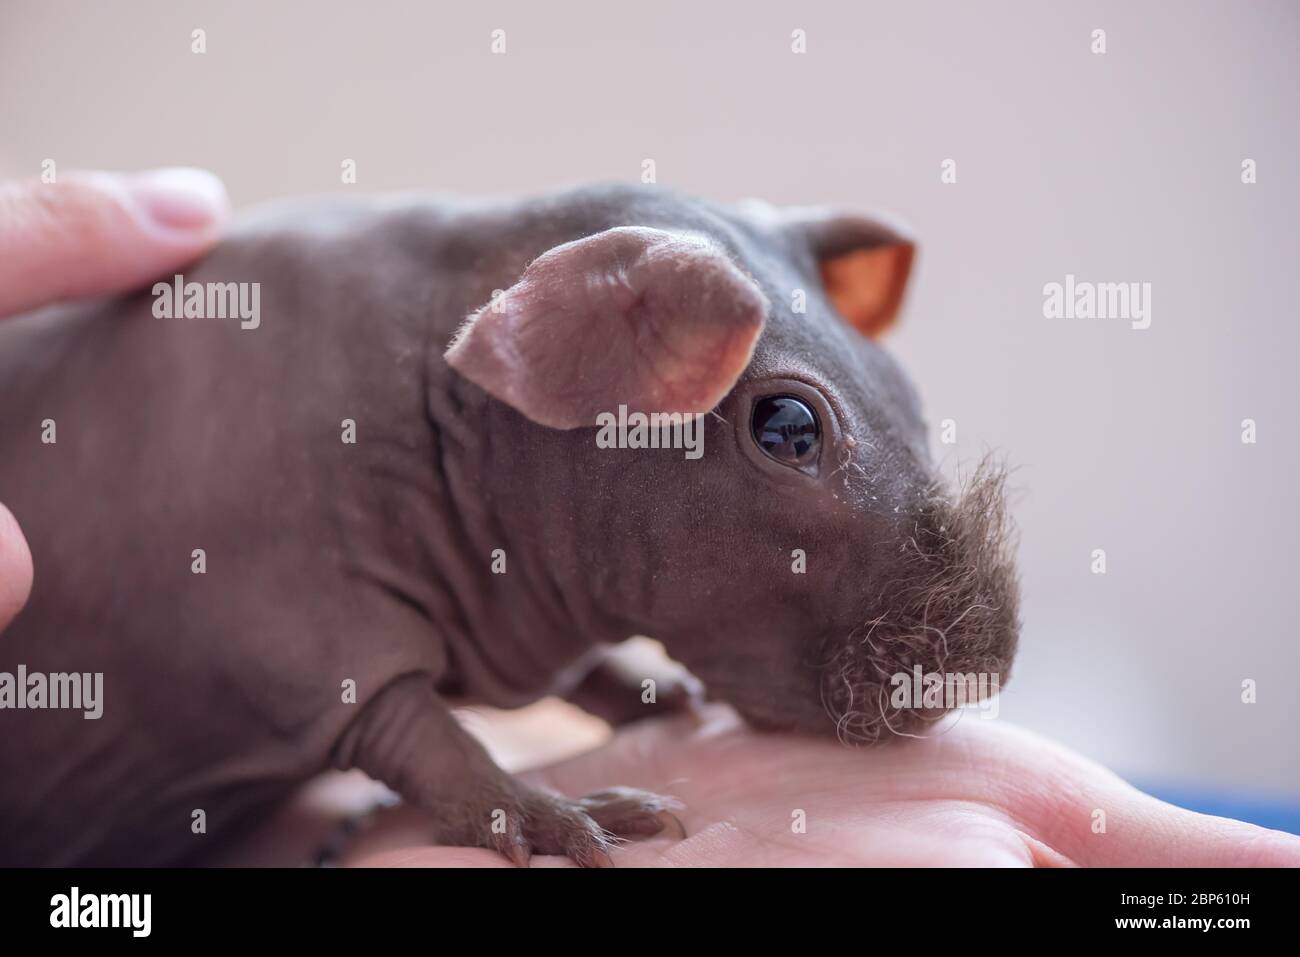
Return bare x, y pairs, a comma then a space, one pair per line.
865, 265
656, 321
865, 261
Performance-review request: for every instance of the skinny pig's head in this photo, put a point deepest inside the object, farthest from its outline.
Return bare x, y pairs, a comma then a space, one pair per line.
797, 552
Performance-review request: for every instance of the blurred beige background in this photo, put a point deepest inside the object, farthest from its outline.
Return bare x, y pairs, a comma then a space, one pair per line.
1116, 167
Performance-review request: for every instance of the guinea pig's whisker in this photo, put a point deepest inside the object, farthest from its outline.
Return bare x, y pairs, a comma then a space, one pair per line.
951, 611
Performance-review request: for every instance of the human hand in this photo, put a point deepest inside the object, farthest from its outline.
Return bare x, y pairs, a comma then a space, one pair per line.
91, 234
982, 793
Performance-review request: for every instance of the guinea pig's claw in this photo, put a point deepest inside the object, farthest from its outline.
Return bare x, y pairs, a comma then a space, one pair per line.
666, 816
520, 853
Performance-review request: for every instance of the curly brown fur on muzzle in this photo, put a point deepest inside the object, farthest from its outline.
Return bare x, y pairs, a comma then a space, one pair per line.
951, 610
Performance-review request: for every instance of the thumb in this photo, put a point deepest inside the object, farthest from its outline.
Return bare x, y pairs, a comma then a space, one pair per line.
15, 568
93, 234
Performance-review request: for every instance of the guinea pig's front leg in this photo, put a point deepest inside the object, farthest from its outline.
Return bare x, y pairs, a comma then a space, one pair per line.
408, 738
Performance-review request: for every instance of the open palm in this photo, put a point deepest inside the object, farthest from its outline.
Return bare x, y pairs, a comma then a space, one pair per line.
979, 793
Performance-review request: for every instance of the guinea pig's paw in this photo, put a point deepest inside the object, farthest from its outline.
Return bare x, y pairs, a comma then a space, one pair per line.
585, 830
679, 696
549, 824
673, 698
628, 812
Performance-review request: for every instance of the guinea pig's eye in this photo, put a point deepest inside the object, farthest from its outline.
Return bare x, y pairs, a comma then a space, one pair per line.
786, 429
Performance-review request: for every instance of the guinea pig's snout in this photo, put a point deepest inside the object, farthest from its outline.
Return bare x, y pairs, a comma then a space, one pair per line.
942, 632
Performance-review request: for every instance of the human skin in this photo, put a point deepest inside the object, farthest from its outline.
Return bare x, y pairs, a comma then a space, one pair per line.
976, 792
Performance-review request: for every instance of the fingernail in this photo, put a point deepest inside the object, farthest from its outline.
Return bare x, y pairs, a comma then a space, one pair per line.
180, 197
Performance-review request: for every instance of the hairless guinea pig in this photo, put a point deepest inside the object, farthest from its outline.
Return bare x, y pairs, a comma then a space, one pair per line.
387, 496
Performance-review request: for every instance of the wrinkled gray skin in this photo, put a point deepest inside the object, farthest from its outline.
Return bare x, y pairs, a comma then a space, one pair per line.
328, 561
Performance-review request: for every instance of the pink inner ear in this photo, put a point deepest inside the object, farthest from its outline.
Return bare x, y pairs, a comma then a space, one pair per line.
656, 321
866, 285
